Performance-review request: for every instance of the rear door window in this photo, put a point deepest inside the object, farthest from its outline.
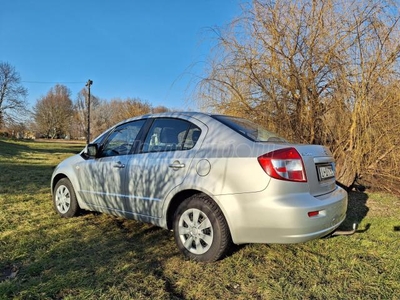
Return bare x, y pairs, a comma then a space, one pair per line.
167, 134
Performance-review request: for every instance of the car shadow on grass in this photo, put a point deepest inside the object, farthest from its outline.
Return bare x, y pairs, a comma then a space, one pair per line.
357, 210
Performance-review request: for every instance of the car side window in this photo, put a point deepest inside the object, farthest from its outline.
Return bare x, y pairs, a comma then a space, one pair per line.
171, 135
192, 137
121, 139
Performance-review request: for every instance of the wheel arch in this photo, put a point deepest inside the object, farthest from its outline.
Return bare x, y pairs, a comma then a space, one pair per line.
56, 179
181, 196
177, 199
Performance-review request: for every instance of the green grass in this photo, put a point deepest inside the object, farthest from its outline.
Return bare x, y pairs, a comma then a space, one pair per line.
97, 256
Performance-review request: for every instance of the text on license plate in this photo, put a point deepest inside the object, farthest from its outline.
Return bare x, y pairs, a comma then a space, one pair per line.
325, 172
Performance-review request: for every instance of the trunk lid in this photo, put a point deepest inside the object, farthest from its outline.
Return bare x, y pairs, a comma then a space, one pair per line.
319, 165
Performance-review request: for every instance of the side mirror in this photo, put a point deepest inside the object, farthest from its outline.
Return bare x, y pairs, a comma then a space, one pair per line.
91, 150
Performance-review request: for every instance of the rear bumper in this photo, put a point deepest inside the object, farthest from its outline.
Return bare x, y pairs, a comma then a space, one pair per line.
263, 218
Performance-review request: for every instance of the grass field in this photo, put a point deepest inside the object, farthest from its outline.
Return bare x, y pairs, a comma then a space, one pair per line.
97, 256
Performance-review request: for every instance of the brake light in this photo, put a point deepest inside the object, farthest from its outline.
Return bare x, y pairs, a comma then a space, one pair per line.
284, 164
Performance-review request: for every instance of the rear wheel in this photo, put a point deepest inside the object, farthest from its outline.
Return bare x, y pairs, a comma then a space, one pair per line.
64, 199
200, 229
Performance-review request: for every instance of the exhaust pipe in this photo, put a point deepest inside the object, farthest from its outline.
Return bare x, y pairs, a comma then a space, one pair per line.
346, 232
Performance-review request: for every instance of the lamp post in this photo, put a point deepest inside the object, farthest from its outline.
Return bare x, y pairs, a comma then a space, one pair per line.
88, 84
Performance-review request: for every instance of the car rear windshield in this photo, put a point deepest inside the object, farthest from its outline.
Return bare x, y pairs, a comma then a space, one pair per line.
249, 129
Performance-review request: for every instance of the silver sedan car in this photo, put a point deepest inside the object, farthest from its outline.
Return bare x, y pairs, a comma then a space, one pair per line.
212, 179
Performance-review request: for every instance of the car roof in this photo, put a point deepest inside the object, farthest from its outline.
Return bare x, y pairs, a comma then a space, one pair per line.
177, 114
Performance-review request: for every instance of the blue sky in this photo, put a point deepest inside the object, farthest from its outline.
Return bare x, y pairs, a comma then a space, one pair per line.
150, 49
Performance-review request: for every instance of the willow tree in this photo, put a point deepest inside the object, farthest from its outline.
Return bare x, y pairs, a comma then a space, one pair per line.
323, 72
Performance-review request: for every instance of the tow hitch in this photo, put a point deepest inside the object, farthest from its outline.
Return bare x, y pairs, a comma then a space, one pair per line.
346, 232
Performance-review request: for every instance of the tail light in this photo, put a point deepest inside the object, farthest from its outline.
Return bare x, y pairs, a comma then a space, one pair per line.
284, 164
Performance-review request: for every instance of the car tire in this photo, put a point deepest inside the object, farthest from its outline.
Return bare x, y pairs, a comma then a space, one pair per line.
200, 229
64, 199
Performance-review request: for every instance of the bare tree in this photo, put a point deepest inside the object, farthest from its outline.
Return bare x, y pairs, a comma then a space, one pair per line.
105, 114
160, 109
12, 94
102, 117
79, 126
321, 72
128, 108
53, 112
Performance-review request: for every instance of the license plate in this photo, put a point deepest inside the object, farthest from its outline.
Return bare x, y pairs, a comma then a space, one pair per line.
326, 172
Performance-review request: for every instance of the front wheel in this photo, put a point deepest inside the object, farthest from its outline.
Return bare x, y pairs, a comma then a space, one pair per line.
200, 229
64, 199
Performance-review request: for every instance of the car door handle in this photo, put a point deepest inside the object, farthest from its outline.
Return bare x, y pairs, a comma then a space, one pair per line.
176, 165
119, 165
